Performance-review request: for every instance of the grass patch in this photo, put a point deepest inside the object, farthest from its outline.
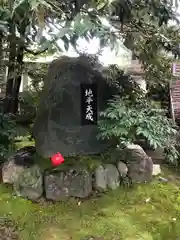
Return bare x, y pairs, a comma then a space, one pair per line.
122, 214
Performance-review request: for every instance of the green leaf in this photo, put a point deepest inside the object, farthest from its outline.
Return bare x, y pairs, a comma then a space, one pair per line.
131, 121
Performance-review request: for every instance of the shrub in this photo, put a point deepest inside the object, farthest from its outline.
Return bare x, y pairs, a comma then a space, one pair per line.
7, 130
127, 121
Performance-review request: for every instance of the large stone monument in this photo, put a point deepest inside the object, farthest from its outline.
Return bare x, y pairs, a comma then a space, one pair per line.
74, 94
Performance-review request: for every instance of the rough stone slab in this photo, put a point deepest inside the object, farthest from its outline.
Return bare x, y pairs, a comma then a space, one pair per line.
113, 178
100, 178
140, 165
16, 164
58, 125
29, 183
122, 168
74, 183
54, 187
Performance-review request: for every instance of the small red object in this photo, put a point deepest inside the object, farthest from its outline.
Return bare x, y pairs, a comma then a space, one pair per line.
57, 159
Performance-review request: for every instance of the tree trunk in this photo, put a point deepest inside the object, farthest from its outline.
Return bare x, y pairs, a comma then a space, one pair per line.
11, 69
1, 67
18, 78
11, 62
1, 60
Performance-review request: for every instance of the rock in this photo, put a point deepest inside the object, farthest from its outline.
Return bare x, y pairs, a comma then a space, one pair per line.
156, 169
113, 180
25, 176
29, 183
135, 152
11, 171
55, 188
74, 183
25, 156
81, 184
61, 121
122, 168
165, 180
16, 164
140, 166
100, 178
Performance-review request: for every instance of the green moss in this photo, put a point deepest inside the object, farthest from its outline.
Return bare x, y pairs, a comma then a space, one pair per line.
87, 162
122, 214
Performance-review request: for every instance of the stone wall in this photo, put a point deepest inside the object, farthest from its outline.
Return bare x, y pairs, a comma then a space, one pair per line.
29, 181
